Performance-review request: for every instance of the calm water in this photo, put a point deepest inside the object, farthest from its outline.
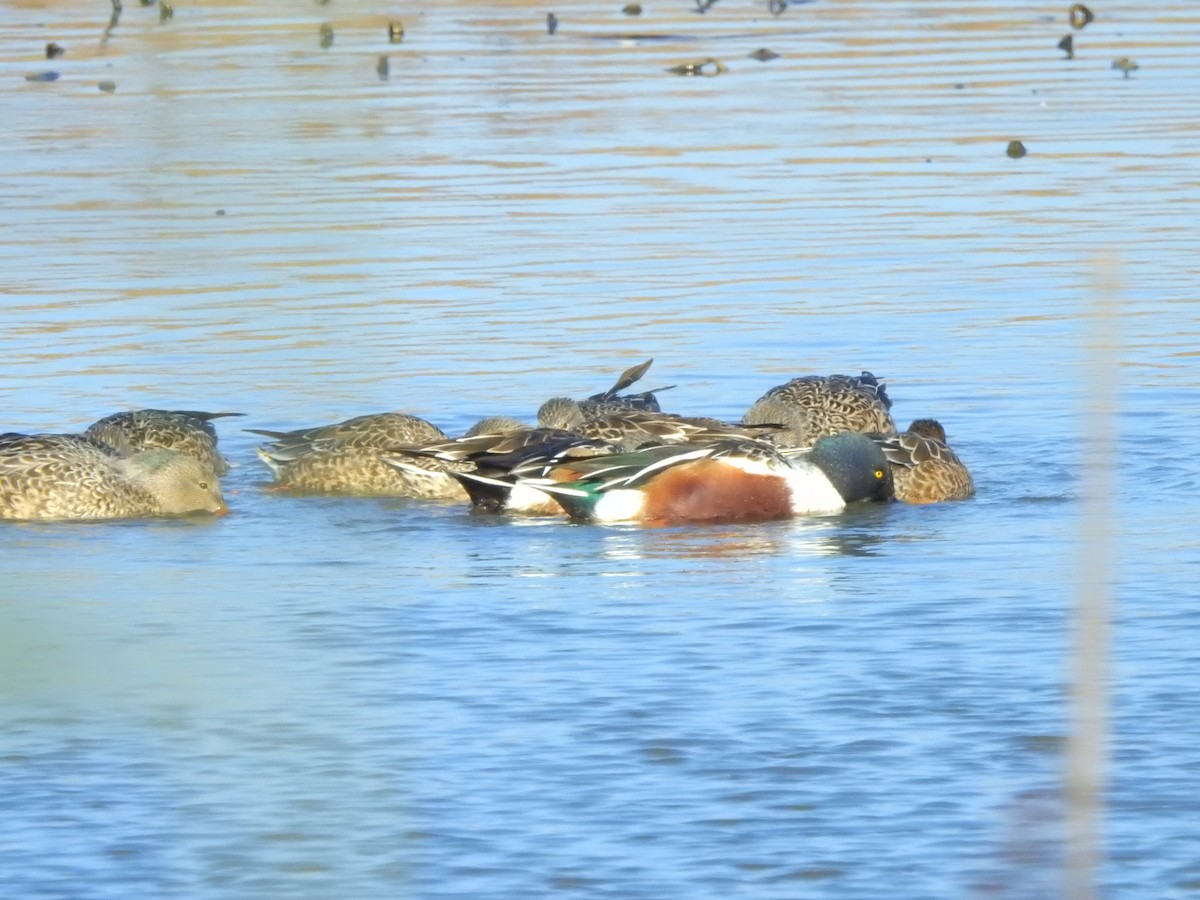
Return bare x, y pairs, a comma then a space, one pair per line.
323, 697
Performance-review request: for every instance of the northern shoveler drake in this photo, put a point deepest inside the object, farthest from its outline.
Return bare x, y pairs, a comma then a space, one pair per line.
813, 406
185, 430
490, 466
70, 476
349, 458
924, 467
729, 480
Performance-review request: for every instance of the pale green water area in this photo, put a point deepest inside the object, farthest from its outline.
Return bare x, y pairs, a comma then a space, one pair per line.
334, 697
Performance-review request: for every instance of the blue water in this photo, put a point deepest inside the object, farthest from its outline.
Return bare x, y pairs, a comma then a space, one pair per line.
334, 697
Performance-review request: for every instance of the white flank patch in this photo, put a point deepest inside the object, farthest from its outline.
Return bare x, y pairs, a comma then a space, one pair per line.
619, 505
525, 497
811, 490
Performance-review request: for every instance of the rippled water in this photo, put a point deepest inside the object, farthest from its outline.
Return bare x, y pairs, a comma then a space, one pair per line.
335, 697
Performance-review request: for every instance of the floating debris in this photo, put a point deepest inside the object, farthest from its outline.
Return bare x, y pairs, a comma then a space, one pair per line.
147, 2
777, 7
632, 9
1067, 46
1015, 150
381, 67
107, 86
112, 20
54, 51
395, 32
551, 23
1079, 16
703, 6
220, 212
636, 37
165, 11
42, 76
326, 36
1125, 65
764, 55
706, 68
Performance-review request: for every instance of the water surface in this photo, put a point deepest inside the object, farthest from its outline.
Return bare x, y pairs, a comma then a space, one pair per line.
346, 697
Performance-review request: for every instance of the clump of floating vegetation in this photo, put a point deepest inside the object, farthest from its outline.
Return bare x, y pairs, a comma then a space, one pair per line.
1015, 150
326, 36
1125, 65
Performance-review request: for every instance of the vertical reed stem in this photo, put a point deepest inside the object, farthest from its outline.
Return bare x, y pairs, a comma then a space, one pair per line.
1086, 756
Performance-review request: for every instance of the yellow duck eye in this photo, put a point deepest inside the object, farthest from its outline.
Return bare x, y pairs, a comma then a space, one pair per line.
879, 473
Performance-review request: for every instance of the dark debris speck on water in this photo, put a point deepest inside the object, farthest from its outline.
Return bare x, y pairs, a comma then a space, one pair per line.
1067, 46
632, 9
706, 68
551, 23
326, 36
762, 54
42, 76
1015, 150
395, 32
107, 87
53, 51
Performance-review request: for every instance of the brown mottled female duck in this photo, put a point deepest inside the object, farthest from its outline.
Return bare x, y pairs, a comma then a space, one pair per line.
924, 468
814, 406
187, 431
69, 476
349, 458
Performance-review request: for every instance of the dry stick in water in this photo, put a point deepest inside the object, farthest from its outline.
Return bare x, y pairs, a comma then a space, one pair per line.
1086, 756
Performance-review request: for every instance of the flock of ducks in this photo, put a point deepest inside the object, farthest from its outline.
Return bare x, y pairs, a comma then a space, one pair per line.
812, 445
